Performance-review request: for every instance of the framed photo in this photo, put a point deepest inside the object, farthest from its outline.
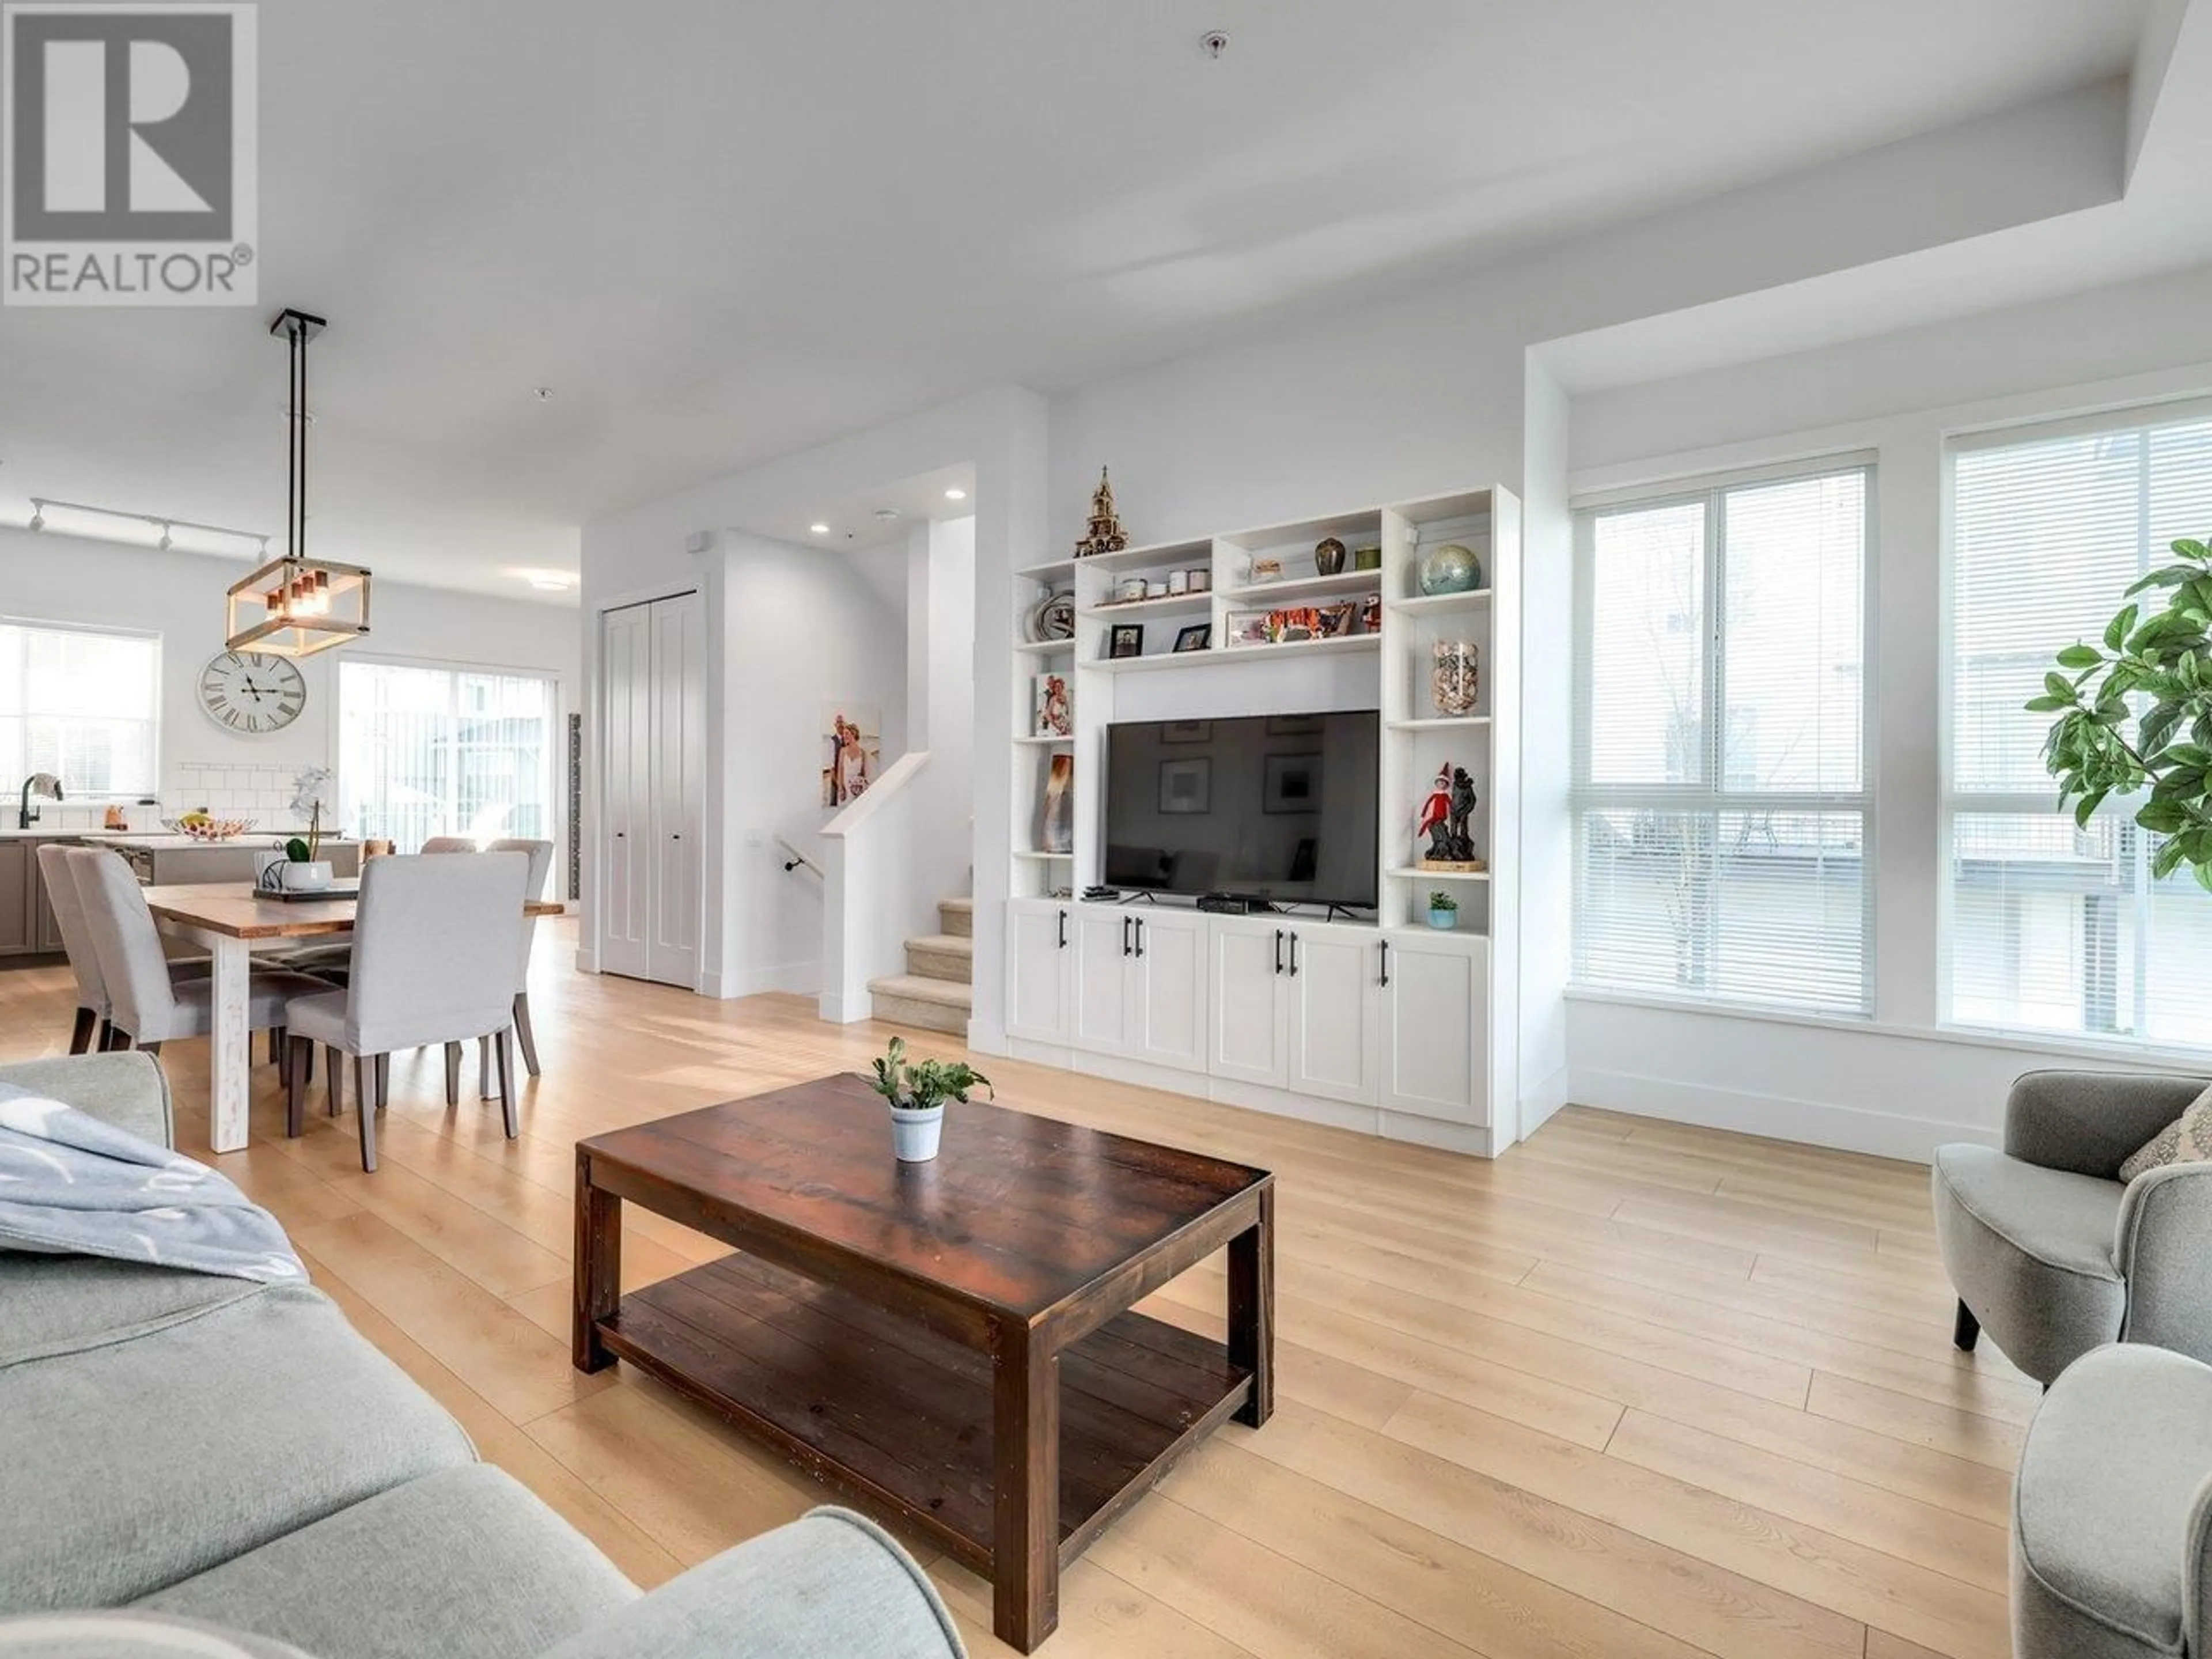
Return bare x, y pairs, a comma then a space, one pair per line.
1187, 786
1197, 636
1293, 726
1293, 784
1052, 706
1187, 732
1126, 640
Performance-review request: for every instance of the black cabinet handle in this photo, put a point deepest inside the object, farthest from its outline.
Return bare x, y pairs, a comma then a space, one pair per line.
1278, 950
1063, 930
1125, 936
1386, 964
1294, 955
1140, 936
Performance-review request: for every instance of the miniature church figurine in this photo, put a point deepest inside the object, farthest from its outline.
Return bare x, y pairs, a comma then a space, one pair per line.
1105, 535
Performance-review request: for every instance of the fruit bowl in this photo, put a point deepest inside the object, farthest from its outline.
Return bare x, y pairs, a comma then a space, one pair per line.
210, 830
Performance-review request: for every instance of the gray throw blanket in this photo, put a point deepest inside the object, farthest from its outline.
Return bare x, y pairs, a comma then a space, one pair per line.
70, 1185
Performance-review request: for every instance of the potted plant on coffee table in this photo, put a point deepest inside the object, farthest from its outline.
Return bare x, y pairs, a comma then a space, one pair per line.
916, 1094
1444, 911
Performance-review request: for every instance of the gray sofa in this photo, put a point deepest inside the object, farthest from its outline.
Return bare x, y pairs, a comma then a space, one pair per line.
214, 1450
2050, 1251
2112, 1539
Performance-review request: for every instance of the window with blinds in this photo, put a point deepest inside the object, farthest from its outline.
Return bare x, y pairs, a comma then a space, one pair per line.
441, 752
2050, 928
1719, 796
82, 703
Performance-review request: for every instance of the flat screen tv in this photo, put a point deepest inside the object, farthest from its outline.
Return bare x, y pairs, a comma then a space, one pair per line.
1278, 806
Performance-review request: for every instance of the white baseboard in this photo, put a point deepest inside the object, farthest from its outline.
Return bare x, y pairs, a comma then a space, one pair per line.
792, 978
1541, 1102
1816, 1123
1475, 1142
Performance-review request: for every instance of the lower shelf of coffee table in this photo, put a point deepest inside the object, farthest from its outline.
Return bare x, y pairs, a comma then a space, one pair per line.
898, 1418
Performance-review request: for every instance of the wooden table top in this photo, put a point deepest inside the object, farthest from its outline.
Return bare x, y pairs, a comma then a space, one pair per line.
236, 908
1016, 1214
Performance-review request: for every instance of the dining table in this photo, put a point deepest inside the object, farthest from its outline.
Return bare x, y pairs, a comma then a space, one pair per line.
231, 920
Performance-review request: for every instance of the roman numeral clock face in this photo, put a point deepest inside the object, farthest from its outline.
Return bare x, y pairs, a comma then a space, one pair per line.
251, 692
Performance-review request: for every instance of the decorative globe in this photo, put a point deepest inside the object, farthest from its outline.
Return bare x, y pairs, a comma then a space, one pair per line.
1450, 569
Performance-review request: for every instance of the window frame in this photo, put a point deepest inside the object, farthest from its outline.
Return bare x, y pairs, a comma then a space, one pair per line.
555, 716
1952, 803
156, 718
1710, 795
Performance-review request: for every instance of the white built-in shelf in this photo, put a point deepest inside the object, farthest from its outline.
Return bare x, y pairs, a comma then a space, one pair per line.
1057, 571
1138, 607
1043, 647
1440, 723
1156, 659
1415, 872
1346, 581
1042, 857
1165, 554
1044, 741
1305, 648
1473, 599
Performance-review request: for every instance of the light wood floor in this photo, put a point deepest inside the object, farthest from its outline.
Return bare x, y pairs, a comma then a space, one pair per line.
1634, 1390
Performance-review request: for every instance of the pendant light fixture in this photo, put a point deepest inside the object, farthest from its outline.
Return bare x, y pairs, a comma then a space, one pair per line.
295, 606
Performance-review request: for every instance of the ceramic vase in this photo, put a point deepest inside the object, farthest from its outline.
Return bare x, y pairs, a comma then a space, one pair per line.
1450, 569
1454, 677
1329, 557
1444, 921
915, 1130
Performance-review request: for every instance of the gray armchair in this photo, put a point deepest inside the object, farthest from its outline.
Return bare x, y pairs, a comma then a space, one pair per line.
2046, 1247
2111, 1538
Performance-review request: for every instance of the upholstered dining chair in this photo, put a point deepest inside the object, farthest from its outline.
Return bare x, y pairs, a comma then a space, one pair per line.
59, 883
147, 1003
2111, 1530
450, 844
2051, 1252
540, 854
434, 943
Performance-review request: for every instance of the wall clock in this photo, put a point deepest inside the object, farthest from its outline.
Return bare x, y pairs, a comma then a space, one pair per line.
252, 691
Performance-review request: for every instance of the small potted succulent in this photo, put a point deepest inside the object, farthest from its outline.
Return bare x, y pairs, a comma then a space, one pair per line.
1444, 911
916, 1094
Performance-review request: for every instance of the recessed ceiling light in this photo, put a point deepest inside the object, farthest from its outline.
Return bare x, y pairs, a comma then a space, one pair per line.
820, 529
955, 493
542, 394
887, 514
550, 581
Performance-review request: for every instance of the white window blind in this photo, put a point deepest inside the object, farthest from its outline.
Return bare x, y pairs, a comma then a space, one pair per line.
441, 752
82, 703
1719, 797
2053, 928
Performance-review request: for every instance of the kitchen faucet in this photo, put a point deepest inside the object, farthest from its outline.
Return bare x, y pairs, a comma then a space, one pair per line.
44, 783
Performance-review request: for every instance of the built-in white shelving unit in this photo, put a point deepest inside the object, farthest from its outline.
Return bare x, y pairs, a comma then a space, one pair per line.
1375, 1021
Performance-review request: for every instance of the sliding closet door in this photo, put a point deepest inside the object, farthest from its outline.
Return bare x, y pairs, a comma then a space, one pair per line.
624, 907
653, 710
679, 714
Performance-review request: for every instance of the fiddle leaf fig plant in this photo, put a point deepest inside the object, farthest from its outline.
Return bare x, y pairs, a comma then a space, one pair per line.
925, 1084
2153, 670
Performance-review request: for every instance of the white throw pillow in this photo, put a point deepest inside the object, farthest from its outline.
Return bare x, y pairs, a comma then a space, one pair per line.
2187, 1140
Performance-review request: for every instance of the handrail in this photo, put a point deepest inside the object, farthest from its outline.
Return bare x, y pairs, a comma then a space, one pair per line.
878, 795
797, 859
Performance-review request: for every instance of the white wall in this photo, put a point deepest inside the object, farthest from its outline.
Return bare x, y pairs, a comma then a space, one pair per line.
179, 596
1899, 1083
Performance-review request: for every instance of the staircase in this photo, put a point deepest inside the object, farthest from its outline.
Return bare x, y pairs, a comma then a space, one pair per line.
937, 991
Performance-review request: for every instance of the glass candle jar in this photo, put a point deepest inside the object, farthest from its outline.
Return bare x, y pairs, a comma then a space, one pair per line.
1454, 677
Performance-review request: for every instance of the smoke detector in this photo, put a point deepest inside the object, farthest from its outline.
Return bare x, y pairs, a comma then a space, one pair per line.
1213, 43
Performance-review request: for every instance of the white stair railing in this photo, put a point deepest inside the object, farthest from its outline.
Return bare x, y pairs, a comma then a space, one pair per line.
874, 898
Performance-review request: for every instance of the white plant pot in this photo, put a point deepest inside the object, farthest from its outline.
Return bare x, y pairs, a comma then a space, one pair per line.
914, 1133
304, 878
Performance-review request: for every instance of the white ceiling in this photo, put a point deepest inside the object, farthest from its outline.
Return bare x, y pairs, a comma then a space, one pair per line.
722, 232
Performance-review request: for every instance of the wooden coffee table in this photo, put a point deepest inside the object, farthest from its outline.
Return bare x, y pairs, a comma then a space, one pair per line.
948, 1344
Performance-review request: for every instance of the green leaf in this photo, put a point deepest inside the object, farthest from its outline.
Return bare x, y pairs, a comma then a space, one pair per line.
2060, 687
296, 850
2117, 631
2193, 549
2172, 576
2203, 874
2045, 705
2161, 818
2086, 806
2079, 656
